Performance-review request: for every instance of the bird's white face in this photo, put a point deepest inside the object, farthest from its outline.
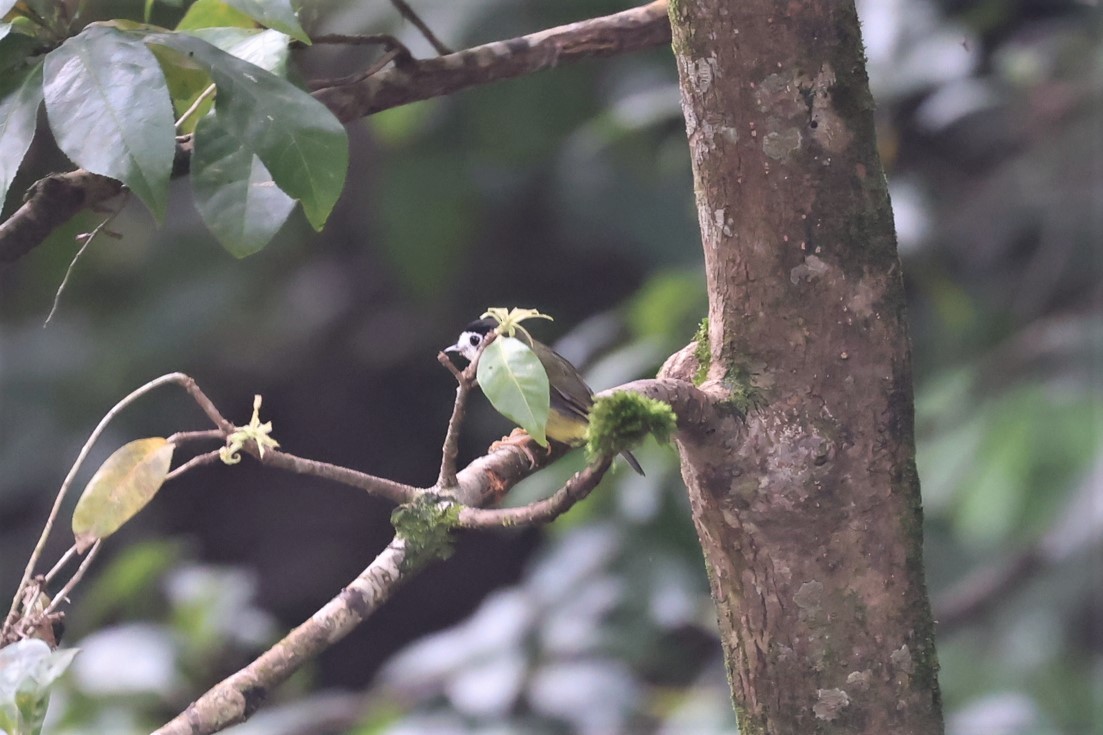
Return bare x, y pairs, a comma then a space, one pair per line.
468, 344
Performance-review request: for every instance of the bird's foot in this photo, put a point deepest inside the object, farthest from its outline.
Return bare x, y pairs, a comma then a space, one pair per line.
520, 439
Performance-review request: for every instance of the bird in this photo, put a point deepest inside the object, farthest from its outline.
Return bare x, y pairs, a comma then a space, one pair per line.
570, 397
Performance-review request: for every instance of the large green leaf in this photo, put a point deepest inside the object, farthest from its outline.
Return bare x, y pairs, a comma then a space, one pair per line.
300, 141
187, 82
516, 384
234, 192
275, 14
109, 108
121, 487
267, 49
20, 96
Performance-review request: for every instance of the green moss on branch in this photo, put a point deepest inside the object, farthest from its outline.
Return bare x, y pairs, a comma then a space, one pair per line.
623, 419
426, 524
701, 352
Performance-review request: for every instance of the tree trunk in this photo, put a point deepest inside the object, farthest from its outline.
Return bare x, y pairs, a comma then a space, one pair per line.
807, 506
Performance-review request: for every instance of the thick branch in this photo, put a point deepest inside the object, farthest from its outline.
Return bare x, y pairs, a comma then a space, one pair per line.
239, 695
808, 507
56, 199
629, 30
695, 407
52, 201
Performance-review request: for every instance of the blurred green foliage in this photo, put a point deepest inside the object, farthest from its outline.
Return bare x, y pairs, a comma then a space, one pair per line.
570, 191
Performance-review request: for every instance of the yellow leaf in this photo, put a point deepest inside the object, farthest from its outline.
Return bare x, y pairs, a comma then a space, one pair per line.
120, 488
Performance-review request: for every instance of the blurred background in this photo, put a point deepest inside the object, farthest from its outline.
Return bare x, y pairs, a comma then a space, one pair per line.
570, 191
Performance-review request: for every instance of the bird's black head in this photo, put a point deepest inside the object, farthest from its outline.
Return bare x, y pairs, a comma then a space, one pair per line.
472, 337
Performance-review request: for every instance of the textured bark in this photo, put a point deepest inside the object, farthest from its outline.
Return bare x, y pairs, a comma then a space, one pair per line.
808, 511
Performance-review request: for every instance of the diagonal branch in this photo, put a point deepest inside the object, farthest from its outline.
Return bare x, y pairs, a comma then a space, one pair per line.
57, 198
236, 697
396, 492
408, 13
482, 482
624, 32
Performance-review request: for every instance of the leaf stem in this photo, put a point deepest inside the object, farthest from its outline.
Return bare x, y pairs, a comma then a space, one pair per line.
210, 90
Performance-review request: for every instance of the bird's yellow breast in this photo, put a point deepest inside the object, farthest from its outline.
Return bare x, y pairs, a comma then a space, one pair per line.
566, 428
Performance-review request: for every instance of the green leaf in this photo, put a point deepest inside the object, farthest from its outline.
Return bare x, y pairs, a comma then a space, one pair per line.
109, 108
234, 192
213, 14
275, 14
516, 384
186, 81
267, 49
300, 141
20, 96
121, 487
29, 669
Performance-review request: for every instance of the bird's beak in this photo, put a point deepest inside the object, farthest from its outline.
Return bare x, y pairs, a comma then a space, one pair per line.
453, 348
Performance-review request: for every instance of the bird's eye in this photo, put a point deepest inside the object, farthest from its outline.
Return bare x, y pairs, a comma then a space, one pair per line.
474, 340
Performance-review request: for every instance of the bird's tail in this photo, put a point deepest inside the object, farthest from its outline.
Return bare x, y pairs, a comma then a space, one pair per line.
632, 461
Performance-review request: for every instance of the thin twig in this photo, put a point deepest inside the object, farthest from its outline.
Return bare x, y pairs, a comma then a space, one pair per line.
60, 563
465, 380
181, 437
542, 511
178, 378
195, 105
63, 593
205, 403
408, 13
396, 492
88, 238
36, 554
199, 460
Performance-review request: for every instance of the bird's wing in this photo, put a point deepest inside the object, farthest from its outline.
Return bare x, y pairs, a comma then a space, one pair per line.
571, 390
582, 411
